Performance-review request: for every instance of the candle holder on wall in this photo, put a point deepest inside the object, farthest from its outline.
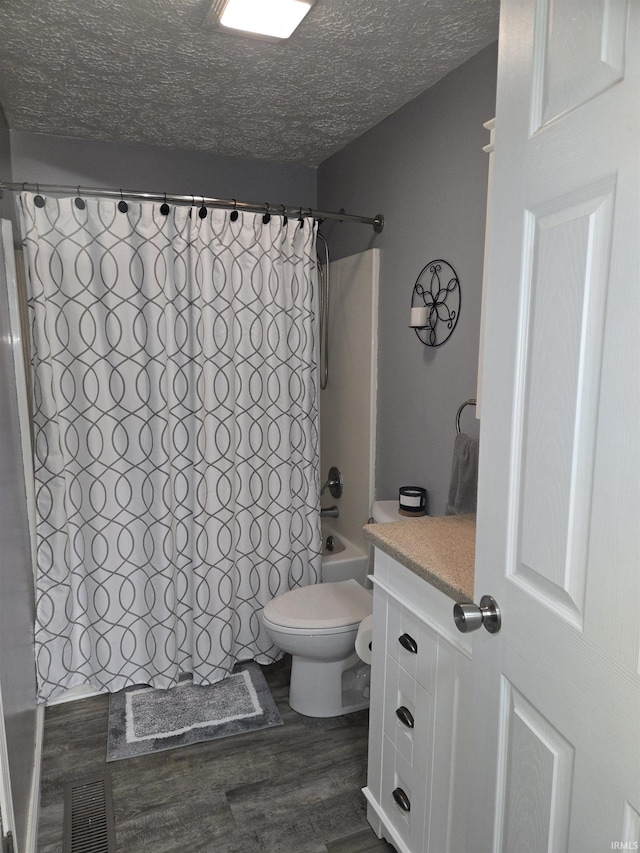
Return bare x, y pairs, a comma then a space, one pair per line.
435, 303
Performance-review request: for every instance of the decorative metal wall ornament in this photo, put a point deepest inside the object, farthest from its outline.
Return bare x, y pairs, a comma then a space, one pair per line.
437, 289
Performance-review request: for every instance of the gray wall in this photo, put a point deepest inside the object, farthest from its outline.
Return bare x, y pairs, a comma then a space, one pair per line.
425, 170
43, 158
6, 203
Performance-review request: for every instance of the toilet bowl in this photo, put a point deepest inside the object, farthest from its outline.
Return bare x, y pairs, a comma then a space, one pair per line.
317, 626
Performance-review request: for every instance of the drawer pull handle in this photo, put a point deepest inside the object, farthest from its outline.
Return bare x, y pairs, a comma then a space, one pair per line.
407, 642
402, 800
405, 716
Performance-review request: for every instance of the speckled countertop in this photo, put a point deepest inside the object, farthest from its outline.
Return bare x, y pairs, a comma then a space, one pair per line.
440, 550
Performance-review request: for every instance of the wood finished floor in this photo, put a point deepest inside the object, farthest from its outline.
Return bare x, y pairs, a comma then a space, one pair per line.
290, 789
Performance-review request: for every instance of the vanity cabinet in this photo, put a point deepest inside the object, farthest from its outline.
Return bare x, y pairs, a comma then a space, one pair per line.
417, 734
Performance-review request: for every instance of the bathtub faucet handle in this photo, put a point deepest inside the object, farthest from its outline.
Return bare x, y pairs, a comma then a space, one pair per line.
334, 483
330, 512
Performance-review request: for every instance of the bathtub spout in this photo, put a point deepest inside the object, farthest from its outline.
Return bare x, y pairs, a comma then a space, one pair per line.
330, 512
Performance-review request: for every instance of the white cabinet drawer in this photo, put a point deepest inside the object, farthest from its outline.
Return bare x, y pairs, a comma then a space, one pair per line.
403, 797
408, 712
412, 644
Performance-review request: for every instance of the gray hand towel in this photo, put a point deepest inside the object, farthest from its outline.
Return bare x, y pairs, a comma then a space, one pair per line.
463, 489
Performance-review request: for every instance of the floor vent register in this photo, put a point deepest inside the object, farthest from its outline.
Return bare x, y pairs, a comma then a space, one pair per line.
89, 825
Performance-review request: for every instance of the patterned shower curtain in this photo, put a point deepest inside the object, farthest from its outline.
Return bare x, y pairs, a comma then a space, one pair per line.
175, 436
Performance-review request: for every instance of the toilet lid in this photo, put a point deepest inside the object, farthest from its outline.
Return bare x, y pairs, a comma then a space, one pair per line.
323, 605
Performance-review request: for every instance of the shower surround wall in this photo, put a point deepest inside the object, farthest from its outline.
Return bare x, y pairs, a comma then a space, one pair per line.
425, 170
348, 403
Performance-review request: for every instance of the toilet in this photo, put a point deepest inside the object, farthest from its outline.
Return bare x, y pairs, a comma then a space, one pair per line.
317, 625
386, 511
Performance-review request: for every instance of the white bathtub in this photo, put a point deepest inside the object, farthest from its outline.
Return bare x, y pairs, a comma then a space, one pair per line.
346, 561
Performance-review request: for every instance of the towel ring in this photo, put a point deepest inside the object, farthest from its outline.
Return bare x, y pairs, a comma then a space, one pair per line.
471, 402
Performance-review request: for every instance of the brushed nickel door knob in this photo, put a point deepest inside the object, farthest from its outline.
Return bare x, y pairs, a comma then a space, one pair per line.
469, 617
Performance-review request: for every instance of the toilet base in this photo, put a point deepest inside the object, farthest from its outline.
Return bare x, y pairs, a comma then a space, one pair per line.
328, 688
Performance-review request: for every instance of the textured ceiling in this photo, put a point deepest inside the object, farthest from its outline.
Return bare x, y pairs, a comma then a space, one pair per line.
147, 71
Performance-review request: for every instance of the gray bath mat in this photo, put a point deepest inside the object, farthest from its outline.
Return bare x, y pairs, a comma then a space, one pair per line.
144, 720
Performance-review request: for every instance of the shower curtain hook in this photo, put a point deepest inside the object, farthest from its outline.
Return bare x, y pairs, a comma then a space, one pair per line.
37, 199
122, 204
267, 216
234, 212
79, 203
285, 218
301, 218
164, 207
202, 213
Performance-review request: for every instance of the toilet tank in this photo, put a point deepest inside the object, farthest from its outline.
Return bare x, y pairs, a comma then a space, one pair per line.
385, 511
388, 511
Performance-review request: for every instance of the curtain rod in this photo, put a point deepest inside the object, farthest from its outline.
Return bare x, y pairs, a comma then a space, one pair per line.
231, 204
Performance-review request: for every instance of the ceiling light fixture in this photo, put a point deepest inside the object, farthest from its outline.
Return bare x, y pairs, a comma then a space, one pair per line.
267, 19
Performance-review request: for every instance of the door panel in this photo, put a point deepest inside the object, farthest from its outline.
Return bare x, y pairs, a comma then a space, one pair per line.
537, 777
579, 48
567, 247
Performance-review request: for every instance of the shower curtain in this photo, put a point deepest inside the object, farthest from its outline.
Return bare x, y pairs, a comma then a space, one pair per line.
175, 436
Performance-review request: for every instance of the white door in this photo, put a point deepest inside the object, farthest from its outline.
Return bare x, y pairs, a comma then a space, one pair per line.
556, 713
19, 726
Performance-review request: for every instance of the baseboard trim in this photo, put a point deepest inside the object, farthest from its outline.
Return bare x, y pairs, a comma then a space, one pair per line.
82, 691
31, 841
381, 824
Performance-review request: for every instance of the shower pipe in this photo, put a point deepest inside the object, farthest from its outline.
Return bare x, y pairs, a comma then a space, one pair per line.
229, 204
324, 314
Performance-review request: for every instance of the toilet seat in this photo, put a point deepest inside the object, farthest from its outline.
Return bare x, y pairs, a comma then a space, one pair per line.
323, 608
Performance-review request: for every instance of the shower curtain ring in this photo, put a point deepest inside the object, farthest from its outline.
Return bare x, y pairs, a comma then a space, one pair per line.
79, 203
234, 212
164, 207
267, 216
122, 204
37, 199
285, 218
202, 213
